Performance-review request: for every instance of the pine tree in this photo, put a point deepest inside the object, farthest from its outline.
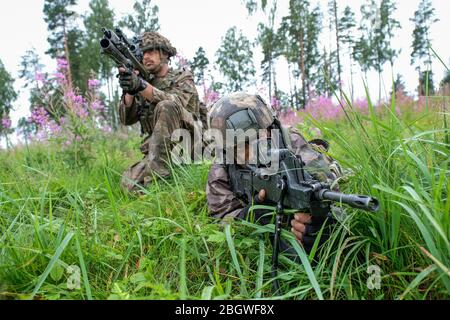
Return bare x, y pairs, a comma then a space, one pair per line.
100, 16
79, 77
287, 49
59, 17
445, 84
145, 17
252, 5
94, 65
324, 83
388, 25
366, 50
347, 26
312, 54
267, 38
297, 39
375, 39
335, 20
7, 97
399, 85
421, 55
199, 65
235, 60
30, 68
383, 34
31, 71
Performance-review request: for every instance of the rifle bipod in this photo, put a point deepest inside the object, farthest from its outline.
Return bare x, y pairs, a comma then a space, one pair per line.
277, 237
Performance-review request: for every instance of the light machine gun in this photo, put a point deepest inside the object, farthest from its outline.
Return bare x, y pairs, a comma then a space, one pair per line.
290, 187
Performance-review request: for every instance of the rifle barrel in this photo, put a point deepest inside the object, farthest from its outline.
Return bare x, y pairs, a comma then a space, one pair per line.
363, 202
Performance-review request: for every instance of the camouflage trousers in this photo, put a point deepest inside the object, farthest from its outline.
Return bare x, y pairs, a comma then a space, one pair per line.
165, 119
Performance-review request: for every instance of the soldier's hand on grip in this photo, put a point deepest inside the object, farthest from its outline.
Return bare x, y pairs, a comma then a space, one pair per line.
309, 233
130, 82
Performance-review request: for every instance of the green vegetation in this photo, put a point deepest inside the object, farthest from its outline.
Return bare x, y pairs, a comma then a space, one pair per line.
56, 213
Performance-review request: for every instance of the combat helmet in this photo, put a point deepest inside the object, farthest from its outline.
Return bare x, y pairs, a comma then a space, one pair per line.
240, 110
154, 41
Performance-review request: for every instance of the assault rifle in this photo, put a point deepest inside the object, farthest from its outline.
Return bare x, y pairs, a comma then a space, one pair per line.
123, 52
290, 187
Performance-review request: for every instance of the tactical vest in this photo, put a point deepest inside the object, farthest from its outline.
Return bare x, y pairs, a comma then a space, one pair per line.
168, 84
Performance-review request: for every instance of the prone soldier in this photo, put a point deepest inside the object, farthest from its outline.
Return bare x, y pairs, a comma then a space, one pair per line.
240, 110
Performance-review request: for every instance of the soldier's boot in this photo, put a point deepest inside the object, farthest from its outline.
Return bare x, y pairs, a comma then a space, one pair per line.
133, 178
167, 118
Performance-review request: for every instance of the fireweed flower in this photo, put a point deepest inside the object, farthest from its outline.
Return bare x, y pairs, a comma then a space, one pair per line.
209, 95
80, 111
97, 105
39, 116
93, 84
60, 78
361, 105
76, 103
181, 61
62, 64
322, 107
290, 117
74, 98
6, 123
42, 135
54, 128
275, 103
39, 77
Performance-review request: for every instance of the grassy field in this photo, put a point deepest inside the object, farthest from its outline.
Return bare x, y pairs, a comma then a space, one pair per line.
62, 213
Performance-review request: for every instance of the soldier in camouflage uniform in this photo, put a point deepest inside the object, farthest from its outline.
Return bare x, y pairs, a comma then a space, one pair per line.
223, 203
168, 102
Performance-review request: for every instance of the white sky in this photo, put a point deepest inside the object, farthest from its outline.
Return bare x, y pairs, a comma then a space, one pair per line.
193, 23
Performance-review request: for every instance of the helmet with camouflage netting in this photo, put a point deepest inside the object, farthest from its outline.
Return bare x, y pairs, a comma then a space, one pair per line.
154, 41
240, 111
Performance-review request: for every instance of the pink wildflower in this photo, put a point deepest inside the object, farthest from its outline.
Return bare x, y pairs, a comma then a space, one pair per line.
210, 96
54, 128
93, 84
275, 103
181, 61
6, 122
97, 106
39, 77
60, 78
39, 116
62, 64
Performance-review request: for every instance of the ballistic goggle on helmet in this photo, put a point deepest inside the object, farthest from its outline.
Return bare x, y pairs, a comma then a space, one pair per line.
240, 111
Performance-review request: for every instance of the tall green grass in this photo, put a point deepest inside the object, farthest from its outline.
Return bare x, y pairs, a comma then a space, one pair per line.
163, 245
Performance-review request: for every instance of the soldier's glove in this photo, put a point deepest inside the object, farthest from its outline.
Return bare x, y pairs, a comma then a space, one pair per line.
312, 230
131, 83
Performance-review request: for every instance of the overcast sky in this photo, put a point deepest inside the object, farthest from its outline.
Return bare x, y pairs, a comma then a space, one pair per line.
193, 23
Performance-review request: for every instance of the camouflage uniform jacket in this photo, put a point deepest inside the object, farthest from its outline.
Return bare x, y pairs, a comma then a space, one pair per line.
177, 86
223, 203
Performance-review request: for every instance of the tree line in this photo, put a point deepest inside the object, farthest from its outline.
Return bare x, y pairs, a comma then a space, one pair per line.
312, 70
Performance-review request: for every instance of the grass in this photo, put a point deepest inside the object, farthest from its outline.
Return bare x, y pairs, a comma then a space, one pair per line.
163, 245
